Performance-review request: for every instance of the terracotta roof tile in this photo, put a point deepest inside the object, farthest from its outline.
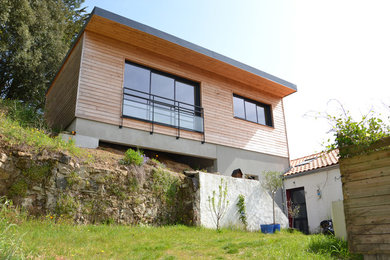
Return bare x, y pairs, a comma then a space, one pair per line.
312, 162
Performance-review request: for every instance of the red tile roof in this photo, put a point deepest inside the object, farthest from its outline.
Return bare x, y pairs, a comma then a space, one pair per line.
312, 162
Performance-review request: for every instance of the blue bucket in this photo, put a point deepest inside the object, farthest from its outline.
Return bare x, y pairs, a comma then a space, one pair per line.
276, 227
267, 229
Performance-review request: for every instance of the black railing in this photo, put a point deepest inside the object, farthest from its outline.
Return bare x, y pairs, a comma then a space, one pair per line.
163, 111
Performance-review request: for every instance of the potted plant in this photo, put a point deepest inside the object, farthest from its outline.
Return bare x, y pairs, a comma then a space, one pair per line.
293, 212
271, 181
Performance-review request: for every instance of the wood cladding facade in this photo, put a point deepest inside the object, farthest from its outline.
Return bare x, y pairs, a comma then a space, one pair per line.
101, 85
174, 50
366, 190
60, 107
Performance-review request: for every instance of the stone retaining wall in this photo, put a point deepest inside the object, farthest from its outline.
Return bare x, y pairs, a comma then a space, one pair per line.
57, 185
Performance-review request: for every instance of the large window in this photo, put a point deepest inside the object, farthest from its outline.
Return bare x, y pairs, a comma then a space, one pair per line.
158, 97
252, 110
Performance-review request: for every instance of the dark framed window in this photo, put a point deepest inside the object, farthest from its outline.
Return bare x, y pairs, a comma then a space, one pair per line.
159, 97
251, 110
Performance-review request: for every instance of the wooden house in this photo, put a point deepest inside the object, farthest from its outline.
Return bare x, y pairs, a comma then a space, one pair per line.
126, 83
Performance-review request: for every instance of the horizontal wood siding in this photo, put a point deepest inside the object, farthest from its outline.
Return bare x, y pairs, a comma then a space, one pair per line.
60, 104
366, 190
123, 33
100, 97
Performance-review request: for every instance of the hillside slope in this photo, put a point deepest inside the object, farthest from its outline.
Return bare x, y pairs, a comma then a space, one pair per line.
50, 177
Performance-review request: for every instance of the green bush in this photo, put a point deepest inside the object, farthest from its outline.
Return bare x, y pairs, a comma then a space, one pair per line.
20, 124
331, 246
67, 205
26, 115
165, 184
133, 157
242, 210
18, 189
349, 132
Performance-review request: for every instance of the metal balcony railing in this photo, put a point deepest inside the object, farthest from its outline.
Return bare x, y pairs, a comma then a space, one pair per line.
163, 111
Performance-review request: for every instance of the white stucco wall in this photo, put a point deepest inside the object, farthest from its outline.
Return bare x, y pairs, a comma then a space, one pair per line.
318, 208
257, 201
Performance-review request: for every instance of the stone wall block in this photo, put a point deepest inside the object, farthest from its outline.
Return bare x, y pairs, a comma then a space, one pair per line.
3, 157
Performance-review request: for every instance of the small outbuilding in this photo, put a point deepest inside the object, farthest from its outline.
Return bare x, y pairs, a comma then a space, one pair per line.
313, 183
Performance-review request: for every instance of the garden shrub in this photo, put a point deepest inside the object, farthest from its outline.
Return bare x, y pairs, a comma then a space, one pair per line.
26, 115
218, 203
331, 246
133, 157
349, 132
165, 185
242, 210
21, 124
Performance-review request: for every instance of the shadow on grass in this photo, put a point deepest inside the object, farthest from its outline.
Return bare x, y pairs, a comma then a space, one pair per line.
331, 246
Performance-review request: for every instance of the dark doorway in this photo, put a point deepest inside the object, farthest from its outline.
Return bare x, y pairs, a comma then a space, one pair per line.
297, 197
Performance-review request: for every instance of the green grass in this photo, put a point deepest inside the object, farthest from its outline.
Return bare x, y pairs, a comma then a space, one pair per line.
21, 125
45, 239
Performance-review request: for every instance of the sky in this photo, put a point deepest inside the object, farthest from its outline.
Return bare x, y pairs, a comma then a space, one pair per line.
336, 52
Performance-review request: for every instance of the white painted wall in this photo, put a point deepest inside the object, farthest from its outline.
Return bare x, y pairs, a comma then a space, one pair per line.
318, 208
258, 202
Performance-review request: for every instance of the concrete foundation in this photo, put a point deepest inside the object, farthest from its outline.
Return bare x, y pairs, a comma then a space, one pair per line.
82, 140
229, 159
226, 158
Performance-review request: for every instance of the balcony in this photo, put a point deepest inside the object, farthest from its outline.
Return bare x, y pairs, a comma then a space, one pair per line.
163, 111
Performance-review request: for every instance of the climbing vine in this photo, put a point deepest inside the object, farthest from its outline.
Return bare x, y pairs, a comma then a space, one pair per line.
349, 132
242, 210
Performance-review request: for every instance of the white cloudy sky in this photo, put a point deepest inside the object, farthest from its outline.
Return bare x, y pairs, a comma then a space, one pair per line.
330, 49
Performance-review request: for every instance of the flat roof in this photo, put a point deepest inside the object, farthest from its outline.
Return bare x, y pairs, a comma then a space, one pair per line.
168, 37
173, 39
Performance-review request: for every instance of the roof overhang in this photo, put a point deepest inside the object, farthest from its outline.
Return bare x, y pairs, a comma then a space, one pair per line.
131, 32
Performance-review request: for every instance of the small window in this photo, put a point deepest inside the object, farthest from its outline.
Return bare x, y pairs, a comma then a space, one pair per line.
252, 110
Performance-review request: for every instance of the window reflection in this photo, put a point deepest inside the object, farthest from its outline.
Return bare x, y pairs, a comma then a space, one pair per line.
162, 98
239, 110
252, 110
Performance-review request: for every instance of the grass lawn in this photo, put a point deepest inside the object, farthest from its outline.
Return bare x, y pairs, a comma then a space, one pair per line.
46, 240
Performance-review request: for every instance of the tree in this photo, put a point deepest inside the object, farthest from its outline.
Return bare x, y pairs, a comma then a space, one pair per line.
293, 211
34, 38
218, 203
272, 181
